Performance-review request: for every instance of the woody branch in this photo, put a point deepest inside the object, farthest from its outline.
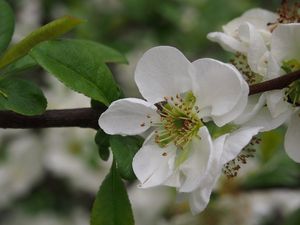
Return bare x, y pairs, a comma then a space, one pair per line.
88, 117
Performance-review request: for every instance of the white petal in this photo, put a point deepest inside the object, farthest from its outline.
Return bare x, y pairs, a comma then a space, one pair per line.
285, 43
174, 180
255, 103
276, 103
265, 120
217, 86
128, 116
274, 70
195, 166
236, 141
292, 138
199, 198
162, 71
237, 110
259, 18
227, 42
257, 47
153, 165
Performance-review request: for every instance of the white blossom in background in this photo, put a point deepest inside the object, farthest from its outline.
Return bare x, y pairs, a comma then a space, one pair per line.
72, 153
76, 217
28, 18
21, 166
252, 208
181, 97
148, 205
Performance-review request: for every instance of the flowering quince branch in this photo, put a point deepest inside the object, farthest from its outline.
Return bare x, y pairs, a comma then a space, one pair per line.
79, 117
88, 117
276, 83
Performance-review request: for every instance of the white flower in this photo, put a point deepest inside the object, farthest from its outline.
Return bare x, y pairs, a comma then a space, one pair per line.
282, 105
285, 57
21, 165
267, 50
248, 35
181, 97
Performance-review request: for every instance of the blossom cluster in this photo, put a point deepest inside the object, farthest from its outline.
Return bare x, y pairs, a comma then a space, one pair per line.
198, 117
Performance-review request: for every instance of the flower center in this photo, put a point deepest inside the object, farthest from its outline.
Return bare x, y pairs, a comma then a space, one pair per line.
179, 121
293, 91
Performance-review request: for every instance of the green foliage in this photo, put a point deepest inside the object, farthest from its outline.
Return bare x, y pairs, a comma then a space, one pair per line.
22, 64
51, 30
102, 141
80, 65
270, 144
7, 24
124, 148
279, 171
293, 218
112, 206
22, 97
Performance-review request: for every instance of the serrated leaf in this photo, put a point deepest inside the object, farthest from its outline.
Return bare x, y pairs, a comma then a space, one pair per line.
22, 97
79, 66
102, 141
7, 25
50, 31
112, 206
124, 148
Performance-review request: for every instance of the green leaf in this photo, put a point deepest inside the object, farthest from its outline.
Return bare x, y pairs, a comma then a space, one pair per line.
112, 206
50, 31
22, 64
98, 105
22, 97
124, 149
280, 171
102, 141
80, 66
270, 144
293, 218
7, 25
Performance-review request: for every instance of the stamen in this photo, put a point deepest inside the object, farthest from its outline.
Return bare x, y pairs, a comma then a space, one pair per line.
178, 121
231, 168
241, 63
288, 13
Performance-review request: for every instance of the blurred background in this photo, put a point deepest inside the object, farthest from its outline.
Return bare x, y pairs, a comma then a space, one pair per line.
51, 176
